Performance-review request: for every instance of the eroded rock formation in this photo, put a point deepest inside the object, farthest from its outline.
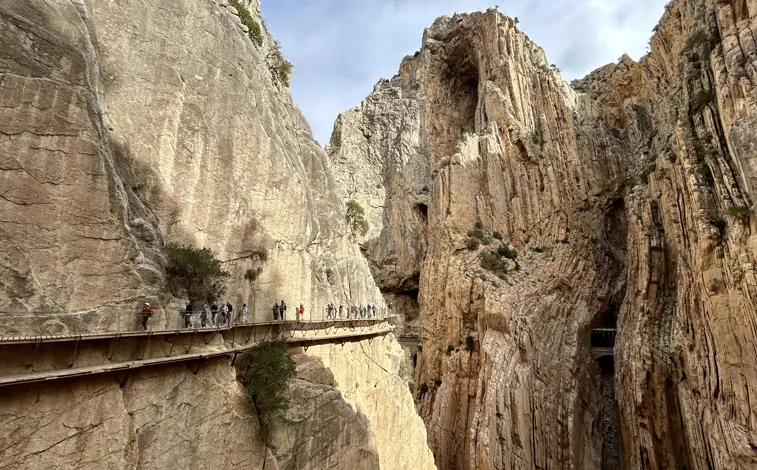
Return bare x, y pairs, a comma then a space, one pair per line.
627, 199
127, 124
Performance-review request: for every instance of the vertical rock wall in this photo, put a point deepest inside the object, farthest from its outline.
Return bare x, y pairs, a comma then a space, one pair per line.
627, 199
130, 123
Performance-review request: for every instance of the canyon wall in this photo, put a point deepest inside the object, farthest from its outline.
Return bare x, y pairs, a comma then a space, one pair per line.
127, 124
518, 212
346, 415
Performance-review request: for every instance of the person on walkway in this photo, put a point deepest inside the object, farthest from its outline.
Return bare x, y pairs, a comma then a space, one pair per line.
229, 310
204, 316
245, 314
275, 310
283, 310
341, 310
213, 312
224, 313
302, 311
188, 315
146, 314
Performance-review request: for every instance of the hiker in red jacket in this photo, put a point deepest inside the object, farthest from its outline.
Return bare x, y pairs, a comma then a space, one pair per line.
146, 314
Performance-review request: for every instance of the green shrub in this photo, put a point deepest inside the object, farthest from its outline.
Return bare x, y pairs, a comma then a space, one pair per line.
698, 38
705, 174
740, 212
493, 262
497, 236
355, 218
507, 252
194, 273
280, 68
716, 286
469, 343
700, 101
471, 244
255, 30
269, 369
719, 223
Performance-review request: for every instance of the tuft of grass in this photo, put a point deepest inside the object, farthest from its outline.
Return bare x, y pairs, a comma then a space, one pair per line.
705, 174
740, 212
700, 101
255, 30
716, 286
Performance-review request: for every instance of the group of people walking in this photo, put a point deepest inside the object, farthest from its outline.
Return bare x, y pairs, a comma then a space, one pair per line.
219, 316
223, 314
279, 311
364, 311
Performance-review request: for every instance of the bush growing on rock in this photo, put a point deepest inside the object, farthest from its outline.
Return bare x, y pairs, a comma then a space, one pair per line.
469, 343
255, 31
266, 377
194, 273
355, 218
281, 69
493, 262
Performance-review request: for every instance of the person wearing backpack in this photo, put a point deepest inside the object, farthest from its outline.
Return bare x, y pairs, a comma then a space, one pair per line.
229, 310
146, 314
213, 313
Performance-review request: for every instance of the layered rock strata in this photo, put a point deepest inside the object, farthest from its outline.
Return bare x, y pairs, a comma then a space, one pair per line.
124, 125
537, 210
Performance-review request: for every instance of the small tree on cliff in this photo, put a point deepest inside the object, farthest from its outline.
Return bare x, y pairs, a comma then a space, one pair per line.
194, 272
355, 218
267, 369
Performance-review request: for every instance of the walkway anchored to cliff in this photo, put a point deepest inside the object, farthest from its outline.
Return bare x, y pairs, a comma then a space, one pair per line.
602, 342
44, 358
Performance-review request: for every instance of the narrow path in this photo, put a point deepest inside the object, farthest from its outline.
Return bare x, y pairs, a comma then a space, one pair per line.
159, 347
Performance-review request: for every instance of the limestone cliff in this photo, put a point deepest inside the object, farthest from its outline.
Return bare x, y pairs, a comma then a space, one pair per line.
175, 417
523, 212
125, 124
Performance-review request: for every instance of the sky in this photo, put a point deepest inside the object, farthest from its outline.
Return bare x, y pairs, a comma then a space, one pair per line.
341, 48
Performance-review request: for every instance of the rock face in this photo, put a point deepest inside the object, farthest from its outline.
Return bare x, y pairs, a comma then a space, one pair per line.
367, 375
319, 429
163, 418
127, 124
536, 211
172, 418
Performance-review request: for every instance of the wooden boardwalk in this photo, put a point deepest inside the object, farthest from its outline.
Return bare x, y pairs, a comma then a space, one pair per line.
161, 347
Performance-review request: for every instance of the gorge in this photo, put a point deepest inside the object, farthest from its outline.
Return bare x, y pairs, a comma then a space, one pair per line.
572, 264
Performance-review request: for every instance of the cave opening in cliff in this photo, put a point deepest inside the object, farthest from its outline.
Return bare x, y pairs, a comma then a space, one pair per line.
421, 212
454, 100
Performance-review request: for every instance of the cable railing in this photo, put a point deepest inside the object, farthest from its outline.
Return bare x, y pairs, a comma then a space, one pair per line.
62, 330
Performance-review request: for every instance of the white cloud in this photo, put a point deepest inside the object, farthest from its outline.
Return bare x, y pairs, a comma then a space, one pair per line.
340, 48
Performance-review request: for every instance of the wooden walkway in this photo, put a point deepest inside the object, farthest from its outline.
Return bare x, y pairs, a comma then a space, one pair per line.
214, 342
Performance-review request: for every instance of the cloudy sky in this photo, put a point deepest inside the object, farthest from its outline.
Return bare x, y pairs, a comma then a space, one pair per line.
340, 48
